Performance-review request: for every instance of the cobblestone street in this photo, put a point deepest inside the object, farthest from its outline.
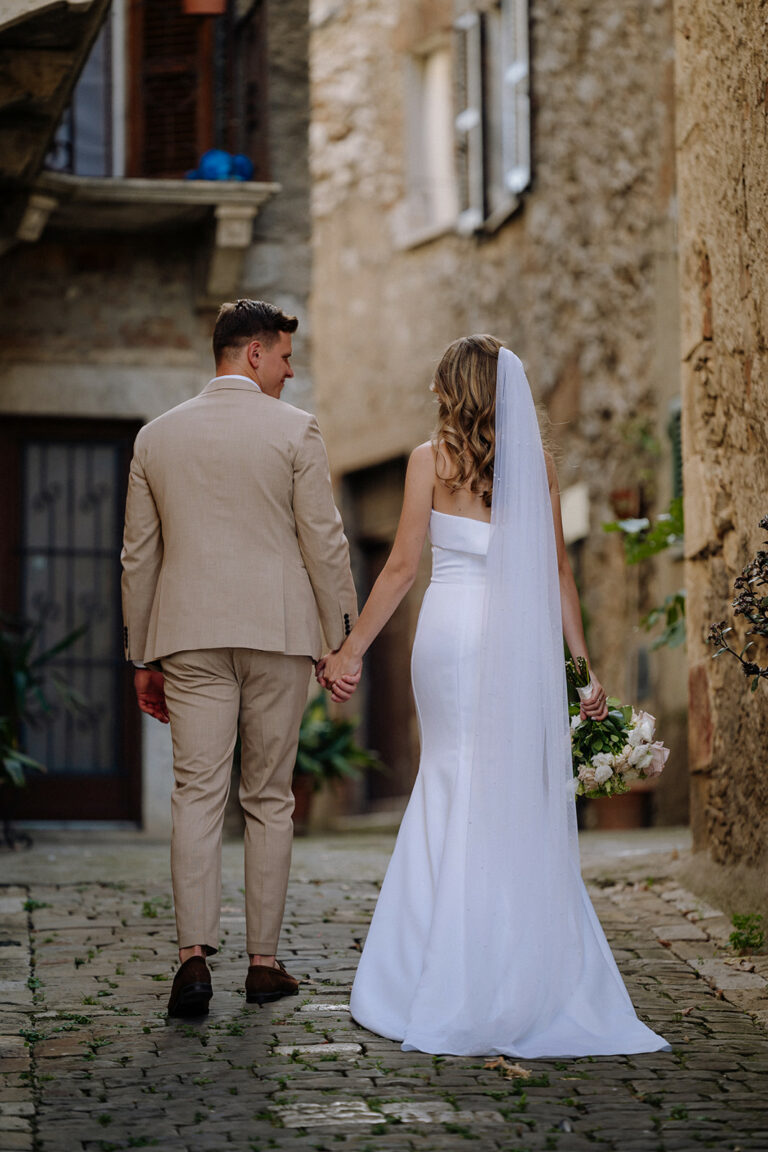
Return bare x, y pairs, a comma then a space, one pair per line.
89, 1061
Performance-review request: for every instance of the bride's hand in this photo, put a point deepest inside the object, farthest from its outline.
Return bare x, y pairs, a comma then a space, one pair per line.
340, 672
596, 707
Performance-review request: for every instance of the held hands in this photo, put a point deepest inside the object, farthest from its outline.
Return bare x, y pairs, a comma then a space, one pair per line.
596, 706
150, 693
340, 674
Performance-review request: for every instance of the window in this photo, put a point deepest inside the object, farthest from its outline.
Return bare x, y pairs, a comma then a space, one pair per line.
90, 140
432, 202
160, 87
493, 113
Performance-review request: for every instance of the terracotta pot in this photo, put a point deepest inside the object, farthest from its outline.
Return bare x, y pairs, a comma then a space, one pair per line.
302, 794
204, 7
625, 503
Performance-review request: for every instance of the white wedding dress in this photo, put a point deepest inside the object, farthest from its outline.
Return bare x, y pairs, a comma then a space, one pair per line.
450, 964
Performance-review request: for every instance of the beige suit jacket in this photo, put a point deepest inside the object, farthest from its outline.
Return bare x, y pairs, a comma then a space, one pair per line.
232, 538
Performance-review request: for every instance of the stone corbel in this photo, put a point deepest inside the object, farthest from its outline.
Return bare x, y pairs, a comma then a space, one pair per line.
234, 231
35, 217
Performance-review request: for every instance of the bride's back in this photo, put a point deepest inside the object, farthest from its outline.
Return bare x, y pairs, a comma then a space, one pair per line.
455, 502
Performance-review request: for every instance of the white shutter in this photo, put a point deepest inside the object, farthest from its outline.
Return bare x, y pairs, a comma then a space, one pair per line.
469, 122
517, 99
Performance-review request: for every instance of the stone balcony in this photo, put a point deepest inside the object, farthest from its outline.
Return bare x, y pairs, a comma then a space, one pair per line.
76, 204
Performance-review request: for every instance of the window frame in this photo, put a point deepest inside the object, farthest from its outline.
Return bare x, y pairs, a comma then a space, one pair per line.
422, 221
474, 29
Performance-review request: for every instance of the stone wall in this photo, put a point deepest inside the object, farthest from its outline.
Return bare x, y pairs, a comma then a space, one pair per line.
722, 131
581, 281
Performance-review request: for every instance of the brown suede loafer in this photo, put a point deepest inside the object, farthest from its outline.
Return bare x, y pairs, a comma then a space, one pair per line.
191, 989
264, 984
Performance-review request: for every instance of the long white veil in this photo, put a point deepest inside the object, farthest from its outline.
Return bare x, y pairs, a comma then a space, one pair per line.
522, 752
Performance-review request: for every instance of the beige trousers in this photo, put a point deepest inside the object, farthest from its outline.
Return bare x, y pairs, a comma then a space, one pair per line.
207, 692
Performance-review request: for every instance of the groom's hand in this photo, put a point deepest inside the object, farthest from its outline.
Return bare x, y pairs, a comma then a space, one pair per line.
150, 693
340, 674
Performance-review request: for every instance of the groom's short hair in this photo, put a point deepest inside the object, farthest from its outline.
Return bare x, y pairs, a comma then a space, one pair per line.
240, 321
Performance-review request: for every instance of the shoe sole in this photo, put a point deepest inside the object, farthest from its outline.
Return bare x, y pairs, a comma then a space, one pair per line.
192, 1001
268, 997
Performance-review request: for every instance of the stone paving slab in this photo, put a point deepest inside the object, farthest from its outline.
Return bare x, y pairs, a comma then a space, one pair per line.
88, 1060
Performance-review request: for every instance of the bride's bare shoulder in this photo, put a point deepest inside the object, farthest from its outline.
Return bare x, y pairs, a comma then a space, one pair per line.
424, 455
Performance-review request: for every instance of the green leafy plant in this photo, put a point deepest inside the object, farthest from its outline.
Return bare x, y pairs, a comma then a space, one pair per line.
642, 540
751, 602
25, 679
327, 748
748, 935
672, 612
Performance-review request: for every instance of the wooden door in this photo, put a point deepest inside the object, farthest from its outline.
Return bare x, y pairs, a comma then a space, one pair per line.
62, 498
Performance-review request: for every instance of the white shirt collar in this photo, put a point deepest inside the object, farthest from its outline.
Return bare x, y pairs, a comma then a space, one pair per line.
235, 376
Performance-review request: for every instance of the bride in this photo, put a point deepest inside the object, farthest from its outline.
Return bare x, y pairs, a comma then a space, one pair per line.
483, 940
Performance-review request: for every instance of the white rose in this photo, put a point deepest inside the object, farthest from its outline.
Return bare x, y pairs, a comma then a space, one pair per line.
635, 737
659, 756
575, 722
621, 759
640, 757
647, 725
587, 776
602, 760
603, 772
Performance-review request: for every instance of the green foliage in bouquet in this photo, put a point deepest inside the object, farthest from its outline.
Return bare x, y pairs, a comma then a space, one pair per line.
608, 753
577, 672
594, 736
327, 749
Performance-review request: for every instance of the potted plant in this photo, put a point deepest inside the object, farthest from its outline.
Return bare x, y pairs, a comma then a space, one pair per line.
24, 680
327, 751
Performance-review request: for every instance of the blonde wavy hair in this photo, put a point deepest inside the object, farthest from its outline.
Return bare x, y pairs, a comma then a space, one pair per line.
465, 386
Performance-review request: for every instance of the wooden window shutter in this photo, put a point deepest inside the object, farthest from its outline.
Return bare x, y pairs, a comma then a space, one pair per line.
517, 100
469, 122
171, 96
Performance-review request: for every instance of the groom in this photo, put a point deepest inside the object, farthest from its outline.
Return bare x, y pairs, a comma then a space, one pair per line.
233, 557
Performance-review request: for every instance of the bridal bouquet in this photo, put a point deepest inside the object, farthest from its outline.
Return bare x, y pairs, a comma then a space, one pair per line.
608, 754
